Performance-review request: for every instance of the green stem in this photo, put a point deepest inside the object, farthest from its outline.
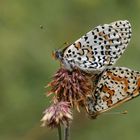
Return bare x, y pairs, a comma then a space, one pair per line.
59, 132
66, 133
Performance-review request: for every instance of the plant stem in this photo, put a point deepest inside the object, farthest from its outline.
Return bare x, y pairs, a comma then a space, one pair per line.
66, 132
59, 132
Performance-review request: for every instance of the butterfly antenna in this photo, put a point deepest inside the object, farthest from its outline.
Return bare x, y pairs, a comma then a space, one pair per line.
43, 28
116, 113
65, 44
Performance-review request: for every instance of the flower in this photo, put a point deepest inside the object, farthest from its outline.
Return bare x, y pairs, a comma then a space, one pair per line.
56, 114
73, 87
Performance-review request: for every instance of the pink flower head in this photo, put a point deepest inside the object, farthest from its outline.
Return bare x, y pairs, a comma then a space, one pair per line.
72, 87
58, 113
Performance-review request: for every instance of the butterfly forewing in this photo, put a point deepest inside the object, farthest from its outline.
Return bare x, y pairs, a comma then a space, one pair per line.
115, 86
99, 48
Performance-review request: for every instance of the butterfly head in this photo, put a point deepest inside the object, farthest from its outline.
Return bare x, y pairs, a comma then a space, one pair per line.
57, 54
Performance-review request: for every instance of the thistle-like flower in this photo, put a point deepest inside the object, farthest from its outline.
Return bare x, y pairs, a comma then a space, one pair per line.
56, 114
72, 87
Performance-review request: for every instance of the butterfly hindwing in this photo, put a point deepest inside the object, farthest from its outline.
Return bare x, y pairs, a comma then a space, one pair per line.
115, 86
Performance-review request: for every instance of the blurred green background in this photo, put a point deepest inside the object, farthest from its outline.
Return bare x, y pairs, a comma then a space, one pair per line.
26, 65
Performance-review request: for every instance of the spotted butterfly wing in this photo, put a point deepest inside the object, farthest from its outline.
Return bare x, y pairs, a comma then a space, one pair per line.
97, 49
115, 86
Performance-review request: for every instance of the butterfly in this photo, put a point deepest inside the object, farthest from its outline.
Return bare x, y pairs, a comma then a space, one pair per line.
115, 86
98, 49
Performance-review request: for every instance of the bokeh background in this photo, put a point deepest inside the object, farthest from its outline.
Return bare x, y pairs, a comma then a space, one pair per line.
26, 65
